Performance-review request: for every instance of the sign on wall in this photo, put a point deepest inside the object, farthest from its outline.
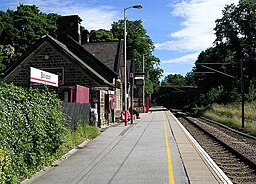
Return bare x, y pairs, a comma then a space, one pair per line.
58, 71
43, 77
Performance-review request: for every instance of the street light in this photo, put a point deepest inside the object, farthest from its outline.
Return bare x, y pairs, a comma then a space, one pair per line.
125, 54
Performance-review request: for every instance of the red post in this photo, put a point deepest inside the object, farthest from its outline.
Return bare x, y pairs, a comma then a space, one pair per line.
125, 118
147, 105
71, 94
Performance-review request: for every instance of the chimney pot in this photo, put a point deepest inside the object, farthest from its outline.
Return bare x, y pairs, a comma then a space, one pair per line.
69, 25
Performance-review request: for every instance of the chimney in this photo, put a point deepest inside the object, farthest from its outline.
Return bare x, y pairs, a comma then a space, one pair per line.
85, 36
69, 25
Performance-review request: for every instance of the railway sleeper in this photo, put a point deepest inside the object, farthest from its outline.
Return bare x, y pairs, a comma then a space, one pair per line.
245, 174
228, 147
235, 169
243, 180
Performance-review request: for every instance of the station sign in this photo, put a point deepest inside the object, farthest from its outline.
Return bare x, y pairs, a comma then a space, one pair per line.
58, 71
139, 81
43, 77
101, 88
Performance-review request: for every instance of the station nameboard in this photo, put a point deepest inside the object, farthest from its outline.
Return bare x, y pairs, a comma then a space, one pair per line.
43, 77
58, 71
139, 81
101, 88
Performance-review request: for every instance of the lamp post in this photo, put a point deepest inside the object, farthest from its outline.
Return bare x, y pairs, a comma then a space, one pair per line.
143, 87
125, 55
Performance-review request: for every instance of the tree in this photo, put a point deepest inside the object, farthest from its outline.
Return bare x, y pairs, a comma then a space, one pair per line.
139, 46
237, 30
6, 53
235, 41
2, 66
138, 42
219, 61
21, 28
101, 35
174, 80
190, 79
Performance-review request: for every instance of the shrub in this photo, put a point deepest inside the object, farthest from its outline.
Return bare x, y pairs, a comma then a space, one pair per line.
216, 95
31, 128
251, 96
5, 161
33, 133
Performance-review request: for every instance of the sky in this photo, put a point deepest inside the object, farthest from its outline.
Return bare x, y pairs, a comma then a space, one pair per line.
179, 29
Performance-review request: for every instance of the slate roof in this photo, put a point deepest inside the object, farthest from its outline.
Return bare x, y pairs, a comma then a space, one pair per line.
97, 63
109, 53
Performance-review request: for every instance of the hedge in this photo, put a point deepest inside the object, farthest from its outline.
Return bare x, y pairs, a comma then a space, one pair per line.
31, 131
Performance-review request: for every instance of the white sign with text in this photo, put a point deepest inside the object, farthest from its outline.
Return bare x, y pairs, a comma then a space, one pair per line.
43, 77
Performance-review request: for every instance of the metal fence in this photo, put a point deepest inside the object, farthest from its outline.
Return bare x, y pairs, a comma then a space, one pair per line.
76, 112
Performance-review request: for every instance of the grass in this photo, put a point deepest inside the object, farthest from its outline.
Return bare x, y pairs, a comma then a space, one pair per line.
77, 136
72, 139
231, 115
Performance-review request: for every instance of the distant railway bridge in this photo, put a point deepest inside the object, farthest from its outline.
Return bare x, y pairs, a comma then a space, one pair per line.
175, 96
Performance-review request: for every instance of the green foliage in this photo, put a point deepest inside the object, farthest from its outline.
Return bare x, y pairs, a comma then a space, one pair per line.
216, 95
6, 53
139, 44
32, 132
101, 35
2, 66
81, 133
31, 128
219, 56
174, 79
190, 79
23, 27
5, 162
137, 39
251, 96
235, 41
230, 115
234, 96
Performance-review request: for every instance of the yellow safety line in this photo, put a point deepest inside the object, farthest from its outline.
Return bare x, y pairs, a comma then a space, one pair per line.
168, 152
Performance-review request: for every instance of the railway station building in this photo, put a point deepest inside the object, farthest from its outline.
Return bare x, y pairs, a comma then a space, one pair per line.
89, 74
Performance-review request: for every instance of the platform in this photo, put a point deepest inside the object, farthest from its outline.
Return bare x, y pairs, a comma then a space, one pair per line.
199, 167
155, 149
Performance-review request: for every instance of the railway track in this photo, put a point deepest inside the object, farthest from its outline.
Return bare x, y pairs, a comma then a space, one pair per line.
233, 152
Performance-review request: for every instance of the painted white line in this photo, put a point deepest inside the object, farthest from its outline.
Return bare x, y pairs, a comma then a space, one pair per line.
222, 176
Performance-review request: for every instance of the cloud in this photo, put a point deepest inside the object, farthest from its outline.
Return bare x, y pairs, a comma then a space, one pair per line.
94, 17
197, 27
188, 58
170, 73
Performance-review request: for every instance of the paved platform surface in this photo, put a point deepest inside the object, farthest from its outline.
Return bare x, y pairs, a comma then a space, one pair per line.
155, 149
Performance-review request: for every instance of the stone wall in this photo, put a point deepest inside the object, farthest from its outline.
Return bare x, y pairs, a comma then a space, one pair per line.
48, 57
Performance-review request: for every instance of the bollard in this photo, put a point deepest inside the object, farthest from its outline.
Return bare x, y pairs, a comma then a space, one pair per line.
125, 118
